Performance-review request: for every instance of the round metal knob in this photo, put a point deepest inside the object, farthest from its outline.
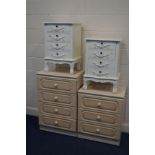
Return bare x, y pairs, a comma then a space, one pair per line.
100, 62
57, 36
100, 72
56, 122
55, 85
56, 110
57, 44
98, 117
57, 53
101, 43
97, 130
56, 25
55, 98
99, 104
101, 53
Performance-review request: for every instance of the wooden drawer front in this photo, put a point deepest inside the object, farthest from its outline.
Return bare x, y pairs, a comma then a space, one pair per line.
108, 132
57, 123
85, 115
100, 104
66, 99
63, 112
57, 84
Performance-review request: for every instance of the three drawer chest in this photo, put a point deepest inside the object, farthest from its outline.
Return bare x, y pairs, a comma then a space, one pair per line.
100, 115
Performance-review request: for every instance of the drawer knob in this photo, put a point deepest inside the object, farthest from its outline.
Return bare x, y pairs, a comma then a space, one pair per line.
101, 53
56, 110
99, 104
55, 98
100, 62
56, 122
55, 85
57, 44
57, 35
97, 130
98, 117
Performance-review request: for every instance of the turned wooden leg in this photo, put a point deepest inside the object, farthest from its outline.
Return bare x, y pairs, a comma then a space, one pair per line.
46, 66
114, 87
79, 66
86, 83
72, 68
53, 67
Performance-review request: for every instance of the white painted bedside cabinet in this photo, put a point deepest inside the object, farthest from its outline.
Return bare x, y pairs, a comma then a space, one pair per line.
102, 62
62, 44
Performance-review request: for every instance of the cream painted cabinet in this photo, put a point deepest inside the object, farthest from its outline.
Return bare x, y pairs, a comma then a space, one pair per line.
100, 115
102, 62
62, 44
57, 100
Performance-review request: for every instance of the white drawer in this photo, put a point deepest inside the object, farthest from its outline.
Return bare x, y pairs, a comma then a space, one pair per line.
59, 50
58, 28
101, 45
59, 38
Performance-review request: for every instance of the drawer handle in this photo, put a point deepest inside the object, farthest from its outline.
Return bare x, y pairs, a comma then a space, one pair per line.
55, 85
101, 55
56, 110
100, 64
98, 46
56, 123
98, 117
99, 104
55, 98
97, 130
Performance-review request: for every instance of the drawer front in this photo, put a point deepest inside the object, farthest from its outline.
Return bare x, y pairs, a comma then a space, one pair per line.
56, 84
64, 112
101, 48
100, 131
65, 99
105, 71
58, 28
89, 101
57, 123
85, 115
59, 50
59, 38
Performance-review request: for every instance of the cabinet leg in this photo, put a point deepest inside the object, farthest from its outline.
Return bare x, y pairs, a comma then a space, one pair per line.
46, 66
86, 83
54, 67
78, 66
114, 88
72, 68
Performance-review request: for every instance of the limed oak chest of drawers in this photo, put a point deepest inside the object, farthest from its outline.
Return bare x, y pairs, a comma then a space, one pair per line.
102, 62
100, 115
62, 44
57, 96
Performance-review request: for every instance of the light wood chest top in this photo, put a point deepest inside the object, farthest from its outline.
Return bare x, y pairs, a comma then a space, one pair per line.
61, 74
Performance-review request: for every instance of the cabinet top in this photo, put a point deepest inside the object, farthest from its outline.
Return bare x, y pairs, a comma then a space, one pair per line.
61, 74
119, 94
103, 39
61, 23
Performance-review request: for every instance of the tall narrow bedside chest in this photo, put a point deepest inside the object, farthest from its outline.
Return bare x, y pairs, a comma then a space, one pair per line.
57, 97
102, 61
62, 44
100, 115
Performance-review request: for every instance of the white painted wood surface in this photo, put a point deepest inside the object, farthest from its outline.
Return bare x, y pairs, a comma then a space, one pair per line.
102, 61
62, 44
